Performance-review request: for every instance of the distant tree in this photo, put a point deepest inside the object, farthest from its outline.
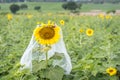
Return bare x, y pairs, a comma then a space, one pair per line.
23, 6
98, 1
2, 1
14, 8
64, 0
64, 6
71, 6
37, 8
115, 1
21, 0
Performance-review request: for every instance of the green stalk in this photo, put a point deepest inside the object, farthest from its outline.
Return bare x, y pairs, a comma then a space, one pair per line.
46, 58
47, 48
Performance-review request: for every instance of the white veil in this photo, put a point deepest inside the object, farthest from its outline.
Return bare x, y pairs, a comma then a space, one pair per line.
59, 47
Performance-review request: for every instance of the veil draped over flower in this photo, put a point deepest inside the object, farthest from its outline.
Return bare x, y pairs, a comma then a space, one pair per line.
31, 54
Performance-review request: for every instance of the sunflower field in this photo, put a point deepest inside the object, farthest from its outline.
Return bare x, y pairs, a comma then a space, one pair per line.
92, 42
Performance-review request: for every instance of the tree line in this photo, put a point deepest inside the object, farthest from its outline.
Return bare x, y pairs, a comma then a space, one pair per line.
82, 1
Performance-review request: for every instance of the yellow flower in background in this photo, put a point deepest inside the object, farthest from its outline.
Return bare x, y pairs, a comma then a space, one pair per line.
29, 16
81, 30
9, 16
102, 16
111, 71
108, 16
89, 32
62, 22
47, 34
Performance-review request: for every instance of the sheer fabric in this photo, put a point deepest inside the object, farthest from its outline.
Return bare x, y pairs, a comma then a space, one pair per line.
31, 54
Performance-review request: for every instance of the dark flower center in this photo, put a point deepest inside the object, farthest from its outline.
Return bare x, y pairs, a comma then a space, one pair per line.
110, 71
47, 33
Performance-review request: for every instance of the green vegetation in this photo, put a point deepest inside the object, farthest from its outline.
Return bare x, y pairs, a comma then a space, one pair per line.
90, 55
72, 6
37, 8
23, 6
57, 7
103, 7
14, 8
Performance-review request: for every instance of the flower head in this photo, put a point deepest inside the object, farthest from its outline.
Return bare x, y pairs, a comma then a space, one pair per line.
62, 22
108, 16
101, 16
111, 71
47, 34
9, 16
89, 32
81, 30
29, 16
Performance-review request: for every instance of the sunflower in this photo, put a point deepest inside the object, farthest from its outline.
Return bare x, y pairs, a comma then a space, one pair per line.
62, 22
29, 16
9, 16
101, 16
81, 30
108, 17
111, 71
47, 34
89, 32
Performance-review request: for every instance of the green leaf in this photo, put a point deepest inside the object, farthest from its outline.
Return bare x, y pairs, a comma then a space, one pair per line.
30, 77
100, 55
94, 72
38, 65
56, 73
114, 78
58, 56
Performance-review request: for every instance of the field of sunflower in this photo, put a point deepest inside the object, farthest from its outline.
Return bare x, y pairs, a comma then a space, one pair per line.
93, 43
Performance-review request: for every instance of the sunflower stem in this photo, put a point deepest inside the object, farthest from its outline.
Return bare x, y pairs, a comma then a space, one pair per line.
46, 54
46, 59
